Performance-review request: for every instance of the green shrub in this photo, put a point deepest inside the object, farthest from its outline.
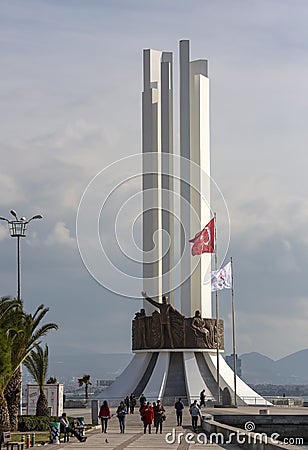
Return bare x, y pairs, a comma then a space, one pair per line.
34, 423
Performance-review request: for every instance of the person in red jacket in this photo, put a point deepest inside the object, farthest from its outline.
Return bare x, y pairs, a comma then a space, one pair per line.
104, 415
147, 416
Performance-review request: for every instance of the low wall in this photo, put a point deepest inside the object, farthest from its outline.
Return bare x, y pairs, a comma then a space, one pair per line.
75, 403
219, 433
287, 401
286, 425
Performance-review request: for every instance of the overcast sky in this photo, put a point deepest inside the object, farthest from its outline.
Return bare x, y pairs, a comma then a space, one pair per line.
70, 105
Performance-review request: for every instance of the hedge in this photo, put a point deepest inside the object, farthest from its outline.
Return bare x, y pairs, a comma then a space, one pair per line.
34, 423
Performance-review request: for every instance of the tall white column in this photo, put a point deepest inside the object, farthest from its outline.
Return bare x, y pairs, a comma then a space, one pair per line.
157, 138
195, 146
167, 180
200, 197
185, 177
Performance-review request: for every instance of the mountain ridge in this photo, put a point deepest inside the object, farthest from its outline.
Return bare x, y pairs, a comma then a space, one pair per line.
256, 367
290, 369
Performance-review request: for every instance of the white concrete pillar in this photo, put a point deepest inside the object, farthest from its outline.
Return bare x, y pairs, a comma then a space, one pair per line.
157, 138
194, 145
200, 197
185, 291
167, 181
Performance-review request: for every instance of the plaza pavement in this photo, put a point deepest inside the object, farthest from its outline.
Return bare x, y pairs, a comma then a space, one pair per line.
133, 438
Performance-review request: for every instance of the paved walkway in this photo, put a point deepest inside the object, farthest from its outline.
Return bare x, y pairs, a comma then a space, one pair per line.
134, 438
171, 438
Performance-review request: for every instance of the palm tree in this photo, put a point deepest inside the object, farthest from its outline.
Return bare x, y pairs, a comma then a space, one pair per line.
8, 308
24, 336
5, 370
86, 381
37, 364
52, 380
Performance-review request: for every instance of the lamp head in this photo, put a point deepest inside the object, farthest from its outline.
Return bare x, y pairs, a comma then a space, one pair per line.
37, 216
14, 214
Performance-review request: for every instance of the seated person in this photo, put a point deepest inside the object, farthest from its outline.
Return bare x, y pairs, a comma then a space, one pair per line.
65, 428
78, 426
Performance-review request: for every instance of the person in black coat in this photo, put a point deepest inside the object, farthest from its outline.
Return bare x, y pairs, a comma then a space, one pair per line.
179, 406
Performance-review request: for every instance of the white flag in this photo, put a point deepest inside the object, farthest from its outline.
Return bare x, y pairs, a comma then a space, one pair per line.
222, 278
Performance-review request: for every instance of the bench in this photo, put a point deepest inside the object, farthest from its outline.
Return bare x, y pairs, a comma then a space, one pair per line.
6, 440
78, 426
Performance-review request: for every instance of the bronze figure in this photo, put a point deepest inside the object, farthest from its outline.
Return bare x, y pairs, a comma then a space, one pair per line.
165, 324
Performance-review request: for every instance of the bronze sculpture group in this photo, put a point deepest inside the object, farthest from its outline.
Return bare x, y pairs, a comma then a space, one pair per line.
168, 328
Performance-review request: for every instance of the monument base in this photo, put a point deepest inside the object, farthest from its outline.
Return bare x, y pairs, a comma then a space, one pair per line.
170, 374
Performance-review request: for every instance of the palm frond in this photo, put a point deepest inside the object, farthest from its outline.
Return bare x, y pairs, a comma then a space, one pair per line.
37, 364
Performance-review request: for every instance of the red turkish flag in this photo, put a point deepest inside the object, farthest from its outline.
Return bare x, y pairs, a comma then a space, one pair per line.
204, 241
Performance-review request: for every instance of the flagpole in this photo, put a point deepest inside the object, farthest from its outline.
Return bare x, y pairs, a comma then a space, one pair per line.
233, 334
217, 315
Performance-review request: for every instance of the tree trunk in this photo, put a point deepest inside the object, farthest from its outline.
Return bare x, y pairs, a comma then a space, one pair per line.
42, 405
4, 415
12, 396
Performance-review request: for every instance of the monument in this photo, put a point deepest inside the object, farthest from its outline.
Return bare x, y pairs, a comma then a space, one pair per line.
177, 350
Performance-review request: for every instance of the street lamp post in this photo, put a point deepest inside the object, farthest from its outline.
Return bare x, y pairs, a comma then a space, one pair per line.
18, 228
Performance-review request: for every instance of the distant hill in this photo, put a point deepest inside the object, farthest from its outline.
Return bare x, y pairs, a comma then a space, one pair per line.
102, 366
292, 369
256, 368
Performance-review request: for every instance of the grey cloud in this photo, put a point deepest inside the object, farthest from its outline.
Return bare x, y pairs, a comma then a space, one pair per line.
70, 105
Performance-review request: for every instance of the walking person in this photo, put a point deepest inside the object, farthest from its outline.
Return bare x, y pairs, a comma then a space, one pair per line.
121, 413
195, 414
104, 415
142, 401
155, 417
126, 401
132, 403
179, 406
147, 415
202, 398
159, 416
